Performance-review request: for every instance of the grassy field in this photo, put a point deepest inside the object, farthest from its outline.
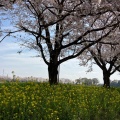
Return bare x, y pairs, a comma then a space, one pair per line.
40, 101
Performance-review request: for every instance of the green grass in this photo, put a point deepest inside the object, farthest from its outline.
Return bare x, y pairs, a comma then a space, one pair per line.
40, 101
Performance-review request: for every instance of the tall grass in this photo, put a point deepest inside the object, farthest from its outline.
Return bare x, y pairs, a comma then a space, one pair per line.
40, 101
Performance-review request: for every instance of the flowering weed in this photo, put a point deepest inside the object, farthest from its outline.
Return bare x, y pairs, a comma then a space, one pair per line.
40, 101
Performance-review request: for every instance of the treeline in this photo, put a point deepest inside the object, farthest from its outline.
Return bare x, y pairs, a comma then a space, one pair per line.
82, 81
95, 81
87, 81
115, 83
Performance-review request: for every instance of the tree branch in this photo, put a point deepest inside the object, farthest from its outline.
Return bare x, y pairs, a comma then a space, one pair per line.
86, 47
87, 32
41, 49
8, 34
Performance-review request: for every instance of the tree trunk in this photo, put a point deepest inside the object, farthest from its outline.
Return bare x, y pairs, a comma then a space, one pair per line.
53, 74
53, 67
106, 78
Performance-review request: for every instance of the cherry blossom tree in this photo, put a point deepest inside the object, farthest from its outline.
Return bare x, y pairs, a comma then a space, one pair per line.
59, 28
105, 54
107, 62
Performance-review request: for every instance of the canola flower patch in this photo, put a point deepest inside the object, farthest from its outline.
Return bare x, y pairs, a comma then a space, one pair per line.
40, 101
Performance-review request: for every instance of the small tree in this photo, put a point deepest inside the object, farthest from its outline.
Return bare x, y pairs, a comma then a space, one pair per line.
13, 73
95, 81
78, 81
